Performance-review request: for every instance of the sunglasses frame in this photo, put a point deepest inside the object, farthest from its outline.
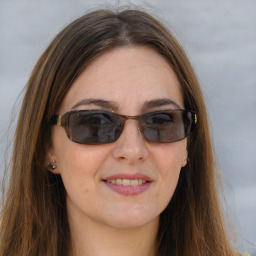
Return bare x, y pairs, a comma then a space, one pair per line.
63, 120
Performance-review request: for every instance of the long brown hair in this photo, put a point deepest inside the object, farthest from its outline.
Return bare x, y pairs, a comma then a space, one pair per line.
33, 215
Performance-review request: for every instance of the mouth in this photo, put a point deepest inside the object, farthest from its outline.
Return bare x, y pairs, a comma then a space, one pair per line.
128, 184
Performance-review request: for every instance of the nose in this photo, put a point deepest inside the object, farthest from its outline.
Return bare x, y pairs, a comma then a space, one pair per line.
130, 146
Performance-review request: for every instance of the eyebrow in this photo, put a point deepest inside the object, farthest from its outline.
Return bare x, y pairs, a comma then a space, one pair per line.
98, 102
110, 105
159, 103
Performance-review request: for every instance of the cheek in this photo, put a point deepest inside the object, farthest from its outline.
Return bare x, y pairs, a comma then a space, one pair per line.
77, 164
71, 156
169, 159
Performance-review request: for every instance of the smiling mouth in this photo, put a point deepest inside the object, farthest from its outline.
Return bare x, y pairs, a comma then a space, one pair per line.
128, 187
127, 182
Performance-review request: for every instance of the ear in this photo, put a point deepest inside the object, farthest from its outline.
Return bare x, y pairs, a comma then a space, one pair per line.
50, 160
185, 159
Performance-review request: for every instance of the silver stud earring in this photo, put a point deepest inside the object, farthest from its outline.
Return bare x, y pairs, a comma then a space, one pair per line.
52, 165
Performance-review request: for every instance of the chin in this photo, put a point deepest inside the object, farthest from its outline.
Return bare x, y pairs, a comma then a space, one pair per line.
132, 218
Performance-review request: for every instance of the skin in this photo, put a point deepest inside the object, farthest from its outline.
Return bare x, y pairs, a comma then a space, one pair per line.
106, 222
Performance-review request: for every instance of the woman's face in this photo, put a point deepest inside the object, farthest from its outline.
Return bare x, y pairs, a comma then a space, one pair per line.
129, 81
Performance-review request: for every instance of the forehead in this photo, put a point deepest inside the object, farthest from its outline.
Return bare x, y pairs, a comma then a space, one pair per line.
127, 76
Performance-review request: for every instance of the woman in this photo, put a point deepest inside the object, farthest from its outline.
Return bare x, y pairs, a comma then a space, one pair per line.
112, 152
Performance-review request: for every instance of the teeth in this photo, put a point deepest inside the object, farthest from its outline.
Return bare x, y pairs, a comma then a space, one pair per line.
127, 182
134, 182
119, 182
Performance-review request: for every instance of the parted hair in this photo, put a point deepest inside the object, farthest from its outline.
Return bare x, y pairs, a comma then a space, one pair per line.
33, 213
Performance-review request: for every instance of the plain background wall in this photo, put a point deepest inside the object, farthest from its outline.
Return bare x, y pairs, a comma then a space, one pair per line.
219, 36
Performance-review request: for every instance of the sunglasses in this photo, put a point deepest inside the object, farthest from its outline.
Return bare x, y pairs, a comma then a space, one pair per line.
95, 127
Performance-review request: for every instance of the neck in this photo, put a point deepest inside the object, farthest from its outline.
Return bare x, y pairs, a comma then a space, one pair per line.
90, 238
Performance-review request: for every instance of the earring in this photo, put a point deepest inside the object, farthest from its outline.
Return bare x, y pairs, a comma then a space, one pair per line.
187, 161
52, 165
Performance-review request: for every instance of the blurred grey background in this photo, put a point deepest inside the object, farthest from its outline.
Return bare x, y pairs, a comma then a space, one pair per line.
219, 37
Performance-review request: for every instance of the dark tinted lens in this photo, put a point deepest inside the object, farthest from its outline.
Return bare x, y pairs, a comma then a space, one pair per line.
166, 126
94, 127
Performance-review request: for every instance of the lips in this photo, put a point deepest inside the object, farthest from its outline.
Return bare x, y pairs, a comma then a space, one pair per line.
127, 184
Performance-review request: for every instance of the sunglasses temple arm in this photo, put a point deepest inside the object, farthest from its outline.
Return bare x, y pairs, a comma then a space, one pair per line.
56, 120
195, 118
